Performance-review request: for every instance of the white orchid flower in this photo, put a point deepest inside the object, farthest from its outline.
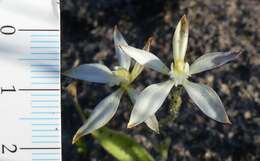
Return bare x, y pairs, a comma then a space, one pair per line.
121, 77
151, 99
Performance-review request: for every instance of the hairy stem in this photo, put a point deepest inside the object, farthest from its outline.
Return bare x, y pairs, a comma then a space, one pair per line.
174, 108
176, 102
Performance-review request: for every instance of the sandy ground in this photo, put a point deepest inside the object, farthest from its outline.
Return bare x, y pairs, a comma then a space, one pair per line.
221, 25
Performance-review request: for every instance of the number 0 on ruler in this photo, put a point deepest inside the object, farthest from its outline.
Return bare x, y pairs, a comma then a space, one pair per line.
30, 118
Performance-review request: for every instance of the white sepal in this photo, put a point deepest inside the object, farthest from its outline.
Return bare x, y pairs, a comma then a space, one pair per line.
133, 94
180, 39
207, 100
145, 58
97, 73
102, 113
138, 68
124, 60
152, 121
149, 101
212, 60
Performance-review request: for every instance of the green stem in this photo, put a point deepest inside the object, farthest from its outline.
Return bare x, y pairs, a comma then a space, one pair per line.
79, 110
81, 146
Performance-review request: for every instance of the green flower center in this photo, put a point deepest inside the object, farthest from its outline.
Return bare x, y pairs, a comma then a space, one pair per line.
180, 71
124, 76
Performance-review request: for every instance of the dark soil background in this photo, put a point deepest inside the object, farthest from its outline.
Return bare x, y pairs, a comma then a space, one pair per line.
215, 25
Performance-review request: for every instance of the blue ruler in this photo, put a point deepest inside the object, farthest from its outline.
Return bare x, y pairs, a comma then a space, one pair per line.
30, 108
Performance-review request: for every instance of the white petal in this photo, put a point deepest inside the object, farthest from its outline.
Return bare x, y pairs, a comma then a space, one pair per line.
180, 39
133, 94
207, 100
212, 60
152, 121
145, 58
124, 60
138, 68
93, 73
149, 101
102, 113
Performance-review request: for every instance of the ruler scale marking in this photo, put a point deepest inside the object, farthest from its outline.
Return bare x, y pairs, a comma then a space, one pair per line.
30, 86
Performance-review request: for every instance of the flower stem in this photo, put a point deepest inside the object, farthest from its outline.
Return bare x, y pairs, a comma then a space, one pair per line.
79, 110
175, 105
72, 90
176, 102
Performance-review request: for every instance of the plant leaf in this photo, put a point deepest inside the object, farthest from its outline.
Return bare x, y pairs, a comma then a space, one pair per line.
121, 146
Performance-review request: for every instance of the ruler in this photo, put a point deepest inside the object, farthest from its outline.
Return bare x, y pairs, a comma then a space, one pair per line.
30, 119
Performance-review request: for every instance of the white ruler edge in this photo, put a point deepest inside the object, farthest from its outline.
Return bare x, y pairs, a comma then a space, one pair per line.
30, 106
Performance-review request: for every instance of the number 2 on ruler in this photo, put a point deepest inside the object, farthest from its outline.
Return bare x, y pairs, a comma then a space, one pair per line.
11, 149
